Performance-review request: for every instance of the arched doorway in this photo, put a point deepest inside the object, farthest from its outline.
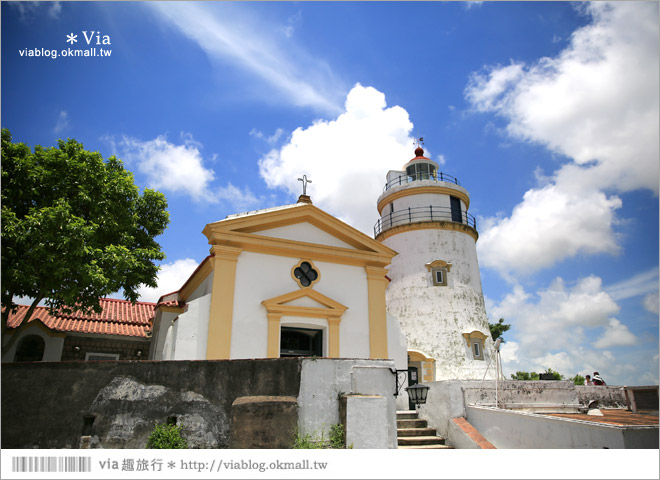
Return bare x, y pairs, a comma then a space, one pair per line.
30, 349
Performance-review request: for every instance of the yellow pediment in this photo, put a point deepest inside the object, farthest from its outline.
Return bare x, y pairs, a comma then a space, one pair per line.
352, 246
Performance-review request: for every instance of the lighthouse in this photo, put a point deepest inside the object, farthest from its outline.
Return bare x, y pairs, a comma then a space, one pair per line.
435, 286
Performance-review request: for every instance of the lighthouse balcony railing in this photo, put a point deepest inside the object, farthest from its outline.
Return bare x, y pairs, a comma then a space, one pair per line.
431, 213
435, 176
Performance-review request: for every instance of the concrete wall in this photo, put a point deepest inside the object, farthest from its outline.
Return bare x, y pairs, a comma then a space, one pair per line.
606, 395
325, 381
511, 429
52, 404
449, 398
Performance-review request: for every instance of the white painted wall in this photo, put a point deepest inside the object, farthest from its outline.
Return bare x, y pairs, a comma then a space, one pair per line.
434, 317
52, 345
184, 336
260, 277
511, 429
322, 383
304, 232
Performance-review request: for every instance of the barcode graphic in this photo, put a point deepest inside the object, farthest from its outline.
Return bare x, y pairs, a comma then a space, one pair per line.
51, 464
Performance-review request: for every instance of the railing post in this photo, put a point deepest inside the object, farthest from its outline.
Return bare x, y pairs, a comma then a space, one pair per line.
431, 212
409, 215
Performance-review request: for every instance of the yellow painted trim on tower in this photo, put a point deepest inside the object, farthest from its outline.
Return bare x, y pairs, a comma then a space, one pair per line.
274, 335
376, 285
218, 346
277, 308
435, 225
427, 365
476, 334
415, 190
438, 263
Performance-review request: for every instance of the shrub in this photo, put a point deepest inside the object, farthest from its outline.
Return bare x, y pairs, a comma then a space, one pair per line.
336, 439
166, 436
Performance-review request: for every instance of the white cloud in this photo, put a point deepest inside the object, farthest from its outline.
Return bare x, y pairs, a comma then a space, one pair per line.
346, 158
170, 167
171, 278
548, 226
597, 103
241, 200
272, 139
62, 121
226, 32
651, 303
615, 334
554, 327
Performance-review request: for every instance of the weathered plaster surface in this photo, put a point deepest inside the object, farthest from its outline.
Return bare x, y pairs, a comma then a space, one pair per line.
435, 317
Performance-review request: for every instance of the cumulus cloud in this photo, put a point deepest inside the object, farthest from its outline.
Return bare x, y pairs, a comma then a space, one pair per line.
550, 224
651, 303
170, 167
171, 278
346, 158
596, 103
555, 325
615, 334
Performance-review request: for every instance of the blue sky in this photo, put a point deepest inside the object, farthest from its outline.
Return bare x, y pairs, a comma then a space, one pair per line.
547, 112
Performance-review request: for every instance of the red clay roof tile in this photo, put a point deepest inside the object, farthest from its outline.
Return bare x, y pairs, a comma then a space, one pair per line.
118, 317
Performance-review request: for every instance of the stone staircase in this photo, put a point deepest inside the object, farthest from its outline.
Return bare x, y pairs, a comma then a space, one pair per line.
415, 433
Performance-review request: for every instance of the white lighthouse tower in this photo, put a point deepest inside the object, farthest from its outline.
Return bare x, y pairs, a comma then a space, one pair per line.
435, 289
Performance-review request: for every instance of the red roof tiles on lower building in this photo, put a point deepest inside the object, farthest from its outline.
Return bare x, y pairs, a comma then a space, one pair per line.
117, 317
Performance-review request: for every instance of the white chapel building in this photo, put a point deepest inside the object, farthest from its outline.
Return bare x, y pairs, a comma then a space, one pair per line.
284, 281
296, 281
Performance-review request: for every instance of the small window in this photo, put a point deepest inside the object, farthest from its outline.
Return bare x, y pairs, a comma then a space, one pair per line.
477, 351
95, 357
301, 342
439, 276
305, 274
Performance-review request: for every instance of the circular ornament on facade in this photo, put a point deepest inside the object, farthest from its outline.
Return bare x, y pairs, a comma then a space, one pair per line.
305, 273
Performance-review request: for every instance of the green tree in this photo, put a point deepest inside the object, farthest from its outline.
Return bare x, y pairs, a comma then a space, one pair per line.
525, 376
497, 329
74, 228
536, 376
577, 379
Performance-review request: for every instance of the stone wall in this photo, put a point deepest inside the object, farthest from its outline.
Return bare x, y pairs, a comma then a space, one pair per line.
118, 403
607, 396
220, 404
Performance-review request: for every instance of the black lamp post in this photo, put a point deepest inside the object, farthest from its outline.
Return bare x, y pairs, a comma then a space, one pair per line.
417, 393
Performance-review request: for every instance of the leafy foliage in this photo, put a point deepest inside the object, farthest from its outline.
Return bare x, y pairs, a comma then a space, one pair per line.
166, 436
536, 376
577, 379
74, 227
336, 440
497, 329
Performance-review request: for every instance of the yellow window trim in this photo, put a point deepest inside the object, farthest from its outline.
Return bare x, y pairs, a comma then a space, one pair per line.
278, 307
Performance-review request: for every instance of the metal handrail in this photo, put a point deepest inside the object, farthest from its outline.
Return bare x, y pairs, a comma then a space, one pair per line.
403, 179
432, 213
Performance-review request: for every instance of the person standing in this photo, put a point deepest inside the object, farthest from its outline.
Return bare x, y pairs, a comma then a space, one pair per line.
598, 380
587, 380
